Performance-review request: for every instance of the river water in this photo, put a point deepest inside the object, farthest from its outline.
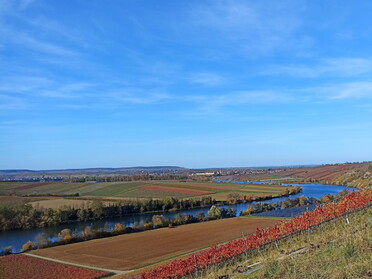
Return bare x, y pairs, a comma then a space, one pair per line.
19, 237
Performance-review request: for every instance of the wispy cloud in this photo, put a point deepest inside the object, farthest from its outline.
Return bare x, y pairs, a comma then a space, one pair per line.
20, 84
9, 103
254, 27
29, 32
138, 97
29, 42
71, 90
331, 67
207, 79
351, 90
215, 103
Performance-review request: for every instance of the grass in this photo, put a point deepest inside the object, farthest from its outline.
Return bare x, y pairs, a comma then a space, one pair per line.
333, 250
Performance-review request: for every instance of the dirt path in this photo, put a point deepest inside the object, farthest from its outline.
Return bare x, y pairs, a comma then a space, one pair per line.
117, 272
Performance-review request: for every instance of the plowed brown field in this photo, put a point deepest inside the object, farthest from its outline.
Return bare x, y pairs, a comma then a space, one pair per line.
131, 251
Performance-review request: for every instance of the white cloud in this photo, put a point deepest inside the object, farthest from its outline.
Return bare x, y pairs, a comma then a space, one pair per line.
29, 42
138, 97
70, 90
252, 27
352, 90
329, 67
207, 79
11, 103
212, 104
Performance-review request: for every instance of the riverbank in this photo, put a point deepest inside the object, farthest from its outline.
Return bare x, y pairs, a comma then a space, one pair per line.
17, 238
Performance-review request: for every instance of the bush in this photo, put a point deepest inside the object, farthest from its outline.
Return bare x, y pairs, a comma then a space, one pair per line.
148, 226
41, 240
65, 234
87, 233
7, 250
27, 246
119, 228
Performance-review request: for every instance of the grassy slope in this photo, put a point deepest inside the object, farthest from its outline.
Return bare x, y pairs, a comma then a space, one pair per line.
337, 250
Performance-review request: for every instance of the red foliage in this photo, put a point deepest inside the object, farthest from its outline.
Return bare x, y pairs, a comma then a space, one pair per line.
25, 267
218, 253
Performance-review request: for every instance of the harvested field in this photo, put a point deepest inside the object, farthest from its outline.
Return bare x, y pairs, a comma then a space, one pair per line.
32, 185
142, 193
138, 189
57, 203
214, 187
15, 199
23, 267
112, 189
175, 190
132, 251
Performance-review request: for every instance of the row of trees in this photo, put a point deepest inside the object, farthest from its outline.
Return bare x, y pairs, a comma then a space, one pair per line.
139, 177
24, 216
287, 203
158, 221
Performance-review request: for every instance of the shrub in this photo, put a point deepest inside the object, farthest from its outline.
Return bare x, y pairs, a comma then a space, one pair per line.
87, 233
118, 228
27, 246
65, 234
148, 226
41, 240
214, 212
7, 250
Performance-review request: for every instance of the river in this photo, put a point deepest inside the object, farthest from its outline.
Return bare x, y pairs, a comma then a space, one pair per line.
17, 238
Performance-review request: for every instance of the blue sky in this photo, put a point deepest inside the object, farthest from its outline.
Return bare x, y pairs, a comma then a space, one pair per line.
189, 83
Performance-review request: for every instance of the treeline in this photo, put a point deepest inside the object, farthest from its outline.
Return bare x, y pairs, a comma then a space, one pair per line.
158, 221
24, 216
138, 177
287, 203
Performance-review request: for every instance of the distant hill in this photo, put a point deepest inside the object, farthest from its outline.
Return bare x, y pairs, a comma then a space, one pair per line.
93, 170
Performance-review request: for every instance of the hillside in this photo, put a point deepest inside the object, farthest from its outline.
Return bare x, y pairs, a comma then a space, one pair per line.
348, 174
336, 250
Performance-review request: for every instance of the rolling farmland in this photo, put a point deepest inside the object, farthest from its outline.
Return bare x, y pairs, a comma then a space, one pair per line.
132, 190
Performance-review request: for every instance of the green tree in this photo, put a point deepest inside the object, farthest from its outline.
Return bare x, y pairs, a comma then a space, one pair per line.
214, 212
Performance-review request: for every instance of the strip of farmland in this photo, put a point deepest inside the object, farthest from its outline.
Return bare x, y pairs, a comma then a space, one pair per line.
131, 251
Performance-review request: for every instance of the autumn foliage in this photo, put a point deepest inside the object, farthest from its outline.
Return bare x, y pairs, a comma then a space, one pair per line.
219, 253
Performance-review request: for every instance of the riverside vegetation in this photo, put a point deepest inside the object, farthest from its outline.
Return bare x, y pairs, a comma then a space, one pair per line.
22, 215
159, 221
